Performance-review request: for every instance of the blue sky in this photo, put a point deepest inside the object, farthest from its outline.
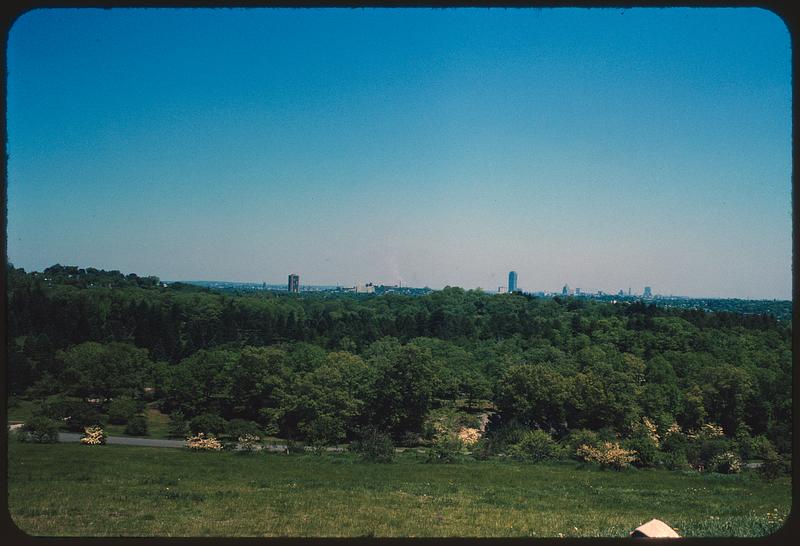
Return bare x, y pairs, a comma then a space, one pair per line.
599, 148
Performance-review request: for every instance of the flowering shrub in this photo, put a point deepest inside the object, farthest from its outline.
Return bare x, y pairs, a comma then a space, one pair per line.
726, 463
201, 443
674, 428
249, 443
469, 436
651, 430
93, 436
607, 455
709, 430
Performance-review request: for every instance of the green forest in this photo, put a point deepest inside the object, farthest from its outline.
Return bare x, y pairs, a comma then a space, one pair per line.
92, 346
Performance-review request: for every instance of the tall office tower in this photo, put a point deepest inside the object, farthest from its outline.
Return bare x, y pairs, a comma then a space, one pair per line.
647, 292
512, 281
294, 283
565, 290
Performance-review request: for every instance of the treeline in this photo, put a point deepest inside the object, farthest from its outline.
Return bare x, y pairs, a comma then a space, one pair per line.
320, 368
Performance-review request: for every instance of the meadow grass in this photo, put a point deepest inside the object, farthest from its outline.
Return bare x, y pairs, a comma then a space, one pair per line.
112, 490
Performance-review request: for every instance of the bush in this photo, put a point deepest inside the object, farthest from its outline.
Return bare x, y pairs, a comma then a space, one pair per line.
675, 442
607, 455
577, 438
702, 450
675, 461
75, 412
202, 443
248, 443
499, 438
121, 410
137, 425
93, 436
178, 426
726, 463
447, 419
82, 415
207, 423
535, 446
373, 445
647, 454
484, 449
774, 467
761, 448
446, 448
39, 430
236, 428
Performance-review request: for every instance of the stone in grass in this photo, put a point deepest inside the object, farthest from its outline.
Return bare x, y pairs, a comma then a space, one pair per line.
655, 528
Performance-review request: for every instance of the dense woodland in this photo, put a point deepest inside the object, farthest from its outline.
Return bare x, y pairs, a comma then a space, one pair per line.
318, 368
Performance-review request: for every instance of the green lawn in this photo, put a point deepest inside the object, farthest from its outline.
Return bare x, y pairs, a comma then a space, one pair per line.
69, 489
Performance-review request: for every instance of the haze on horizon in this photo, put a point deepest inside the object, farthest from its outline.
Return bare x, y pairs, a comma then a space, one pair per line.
600, 148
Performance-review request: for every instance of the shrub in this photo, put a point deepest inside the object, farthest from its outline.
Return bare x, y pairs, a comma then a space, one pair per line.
535, 446
93, 436
485, 448
373, 445
726, 463
121, 410
761, 448
447, 419
675, 442
178, 426
323, 430
137, 425
675, 461
248, 443
469, 436
81, 415
446, 448
578, 437
208, 423
202, 443
702, 450
293, 446
54, 407
607, 455
499, 439
236, 428
39, 430
774, 467
647, 454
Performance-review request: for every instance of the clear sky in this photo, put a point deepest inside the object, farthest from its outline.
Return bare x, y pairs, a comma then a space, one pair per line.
601, 148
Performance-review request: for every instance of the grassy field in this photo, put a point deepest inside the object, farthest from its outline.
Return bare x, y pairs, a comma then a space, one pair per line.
69, 489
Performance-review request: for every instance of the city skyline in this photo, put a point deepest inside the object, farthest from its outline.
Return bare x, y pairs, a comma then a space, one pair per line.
639, 147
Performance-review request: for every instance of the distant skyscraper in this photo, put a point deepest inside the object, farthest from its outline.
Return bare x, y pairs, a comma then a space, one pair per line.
565, 290
294, 283
512, 281
647, 293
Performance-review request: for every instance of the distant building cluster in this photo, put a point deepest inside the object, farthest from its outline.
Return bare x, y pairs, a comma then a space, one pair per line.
513, 287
